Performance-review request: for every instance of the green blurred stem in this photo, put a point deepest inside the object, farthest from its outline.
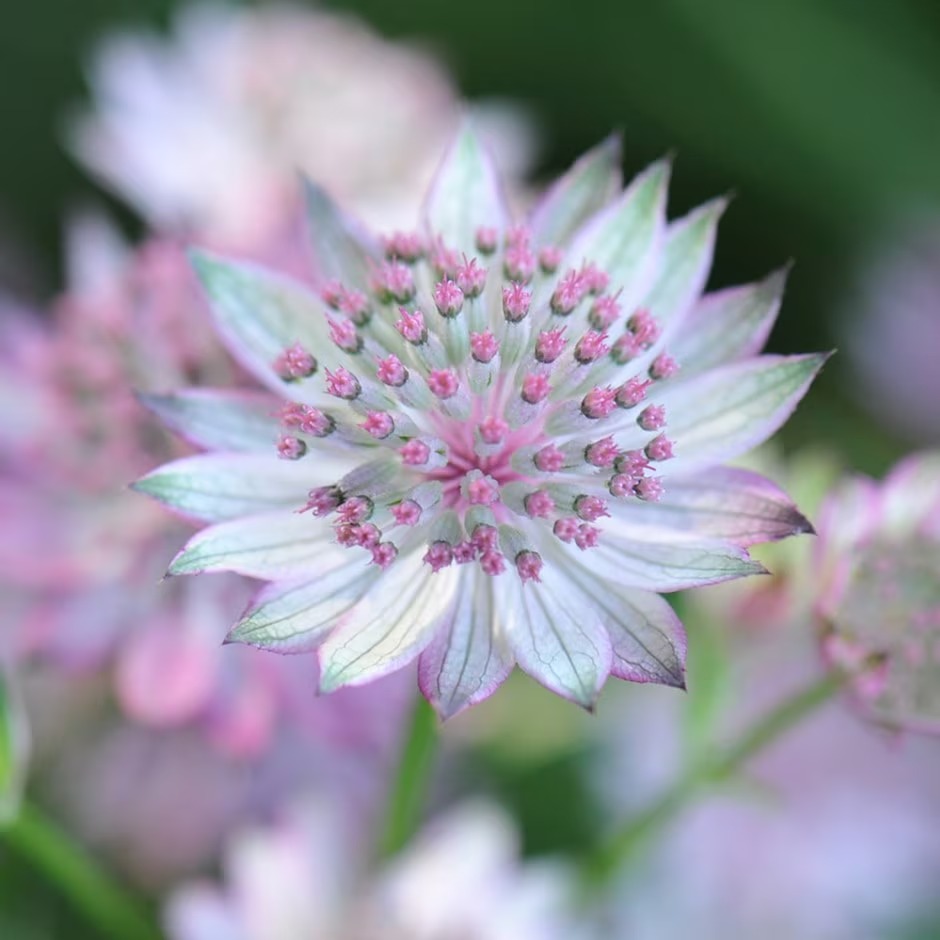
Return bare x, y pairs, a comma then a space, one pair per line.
637, 831
103, 903
411, 781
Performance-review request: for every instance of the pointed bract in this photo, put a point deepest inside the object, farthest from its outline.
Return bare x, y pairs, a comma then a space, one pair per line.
487, 451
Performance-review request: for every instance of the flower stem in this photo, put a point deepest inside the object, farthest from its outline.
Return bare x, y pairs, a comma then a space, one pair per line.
637, 831
408, 790
102, 902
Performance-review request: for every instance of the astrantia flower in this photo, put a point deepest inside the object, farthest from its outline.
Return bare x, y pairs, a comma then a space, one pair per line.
303, 879
879, 564
496, 441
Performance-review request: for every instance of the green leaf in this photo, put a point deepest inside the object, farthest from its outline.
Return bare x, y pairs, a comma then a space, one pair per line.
14, 746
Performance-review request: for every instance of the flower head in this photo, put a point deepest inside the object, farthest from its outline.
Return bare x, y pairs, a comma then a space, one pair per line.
204, 128
879, 563
557, 478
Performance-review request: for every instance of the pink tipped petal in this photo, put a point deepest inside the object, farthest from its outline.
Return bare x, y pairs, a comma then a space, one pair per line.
466, 195
216, 487
591, 183
296, 616
722, 502
556, 635
688, 246
219, 419
728, 325
260, 314
664, 560
342, 249
390, 626
648, 639
273, 546
624, 239
722, 414
466, 662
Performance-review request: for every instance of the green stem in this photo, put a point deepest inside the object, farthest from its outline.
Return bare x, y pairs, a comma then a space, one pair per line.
637, 831
408, 791
101, 901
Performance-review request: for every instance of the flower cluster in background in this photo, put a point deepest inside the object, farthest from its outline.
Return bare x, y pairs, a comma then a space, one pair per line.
416, 419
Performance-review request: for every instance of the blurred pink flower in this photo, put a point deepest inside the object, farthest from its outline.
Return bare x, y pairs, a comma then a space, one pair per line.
500, 438
81, 554
205, 130
158, 804
305, 879
829, 835
879, 596
891, 332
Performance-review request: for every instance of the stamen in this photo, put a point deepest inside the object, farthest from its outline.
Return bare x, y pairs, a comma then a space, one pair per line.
550, 459
535, 388
471, 278
493, 430
394, 282
516, 301
464, 552
343, 384
487, 240
345, 335
644, 327
404, 246
448, 298
550, 344
323, 500
587, 536
566, 528
443, 383
519, 263
598, 403
659, 448
379, 424
391, 372
650, 489
480, 490
306, 419
604, 313
483, 346
590, 347
384, 554
539, 504
529, 565
590, 508
295, 363
356, 510
663, 367
632, 392
550, 257
290, 448
407, 512
415, 453
439, 555
412, 326
602, 453
568, 294
652, 418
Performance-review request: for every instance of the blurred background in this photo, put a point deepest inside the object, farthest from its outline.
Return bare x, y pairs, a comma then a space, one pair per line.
822, 118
